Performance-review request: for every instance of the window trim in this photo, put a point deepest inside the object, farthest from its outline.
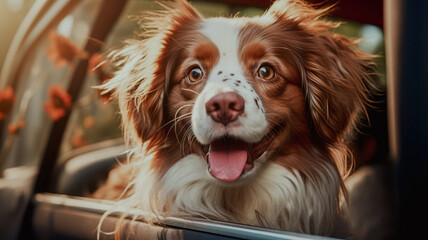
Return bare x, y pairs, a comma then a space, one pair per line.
239, 231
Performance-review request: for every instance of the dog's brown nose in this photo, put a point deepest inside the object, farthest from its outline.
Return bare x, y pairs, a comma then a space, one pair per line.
225, 107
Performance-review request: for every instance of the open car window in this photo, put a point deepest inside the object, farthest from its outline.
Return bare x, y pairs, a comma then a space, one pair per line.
92, 142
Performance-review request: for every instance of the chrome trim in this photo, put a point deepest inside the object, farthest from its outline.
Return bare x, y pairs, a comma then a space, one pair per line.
41, 17
36, 11
115, 146
207, 226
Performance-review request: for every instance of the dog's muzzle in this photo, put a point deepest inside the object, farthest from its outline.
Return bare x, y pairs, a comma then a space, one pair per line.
230, 157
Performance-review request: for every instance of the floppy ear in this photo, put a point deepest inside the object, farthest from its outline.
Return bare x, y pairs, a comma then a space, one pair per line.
334, 73
336, 82
145, 68
336, 77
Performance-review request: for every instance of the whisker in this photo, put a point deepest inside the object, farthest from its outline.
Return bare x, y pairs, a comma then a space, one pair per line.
278, 125
187, 105
184, 127
177, 134
176, 120
190, 90
175, 117
182, 146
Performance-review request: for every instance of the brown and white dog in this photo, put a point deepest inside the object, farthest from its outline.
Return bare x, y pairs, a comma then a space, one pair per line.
241, 119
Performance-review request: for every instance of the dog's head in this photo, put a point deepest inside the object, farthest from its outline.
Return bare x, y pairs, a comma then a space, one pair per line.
240, 90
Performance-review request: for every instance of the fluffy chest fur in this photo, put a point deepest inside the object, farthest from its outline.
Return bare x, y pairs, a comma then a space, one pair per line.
241, 119
275, 197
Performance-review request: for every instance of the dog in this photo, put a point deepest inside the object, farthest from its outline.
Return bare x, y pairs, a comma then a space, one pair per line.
241, 119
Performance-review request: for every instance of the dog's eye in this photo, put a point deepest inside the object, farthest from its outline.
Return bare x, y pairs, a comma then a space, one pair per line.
266, 72
195, 74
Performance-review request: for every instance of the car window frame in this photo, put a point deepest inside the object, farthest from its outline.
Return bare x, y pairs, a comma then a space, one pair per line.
39, 191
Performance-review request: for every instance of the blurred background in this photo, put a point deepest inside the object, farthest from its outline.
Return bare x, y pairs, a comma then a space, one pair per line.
12, 12
56, 47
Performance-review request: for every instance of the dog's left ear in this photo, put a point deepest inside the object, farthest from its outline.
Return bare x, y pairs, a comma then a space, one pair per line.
336, 80
334, 73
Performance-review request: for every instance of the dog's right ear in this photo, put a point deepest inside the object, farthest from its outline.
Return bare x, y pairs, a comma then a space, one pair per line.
144, 71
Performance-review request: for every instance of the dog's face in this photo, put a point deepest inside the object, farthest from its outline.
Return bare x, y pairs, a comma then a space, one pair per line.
248, 93
240, 91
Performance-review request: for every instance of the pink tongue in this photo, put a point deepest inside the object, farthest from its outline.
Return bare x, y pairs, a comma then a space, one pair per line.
227, 159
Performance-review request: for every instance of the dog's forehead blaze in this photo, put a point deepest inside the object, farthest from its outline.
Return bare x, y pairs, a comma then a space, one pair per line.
224, 34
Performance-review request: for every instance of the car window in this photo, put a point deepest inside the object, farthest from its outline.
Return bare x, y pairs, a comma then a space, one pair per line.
28, 124
94, 120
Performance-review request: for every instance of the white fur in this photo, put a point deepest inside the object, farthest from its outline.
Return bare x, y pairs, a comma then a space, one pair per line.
252, 125
276, 198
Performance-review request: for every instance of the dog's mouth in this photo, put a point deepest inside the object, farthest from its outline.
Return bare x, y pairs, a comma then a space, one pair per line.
229, 158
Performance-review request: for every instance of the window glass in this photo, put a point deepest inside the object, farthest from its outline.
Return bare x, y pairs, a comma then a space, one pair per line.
92, 121
24, 130
372, 41
29, 122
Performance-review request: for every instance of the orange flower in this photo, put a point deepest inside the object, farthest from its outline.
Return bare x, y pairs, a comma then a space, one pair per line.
14, 128
89, 122
58, 103
95, 62
62, 51
78, 139
96, 66
7, 98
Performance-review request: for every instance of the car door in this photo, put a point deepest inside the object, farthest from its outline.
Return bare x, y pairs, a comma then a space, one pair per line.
61, 160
